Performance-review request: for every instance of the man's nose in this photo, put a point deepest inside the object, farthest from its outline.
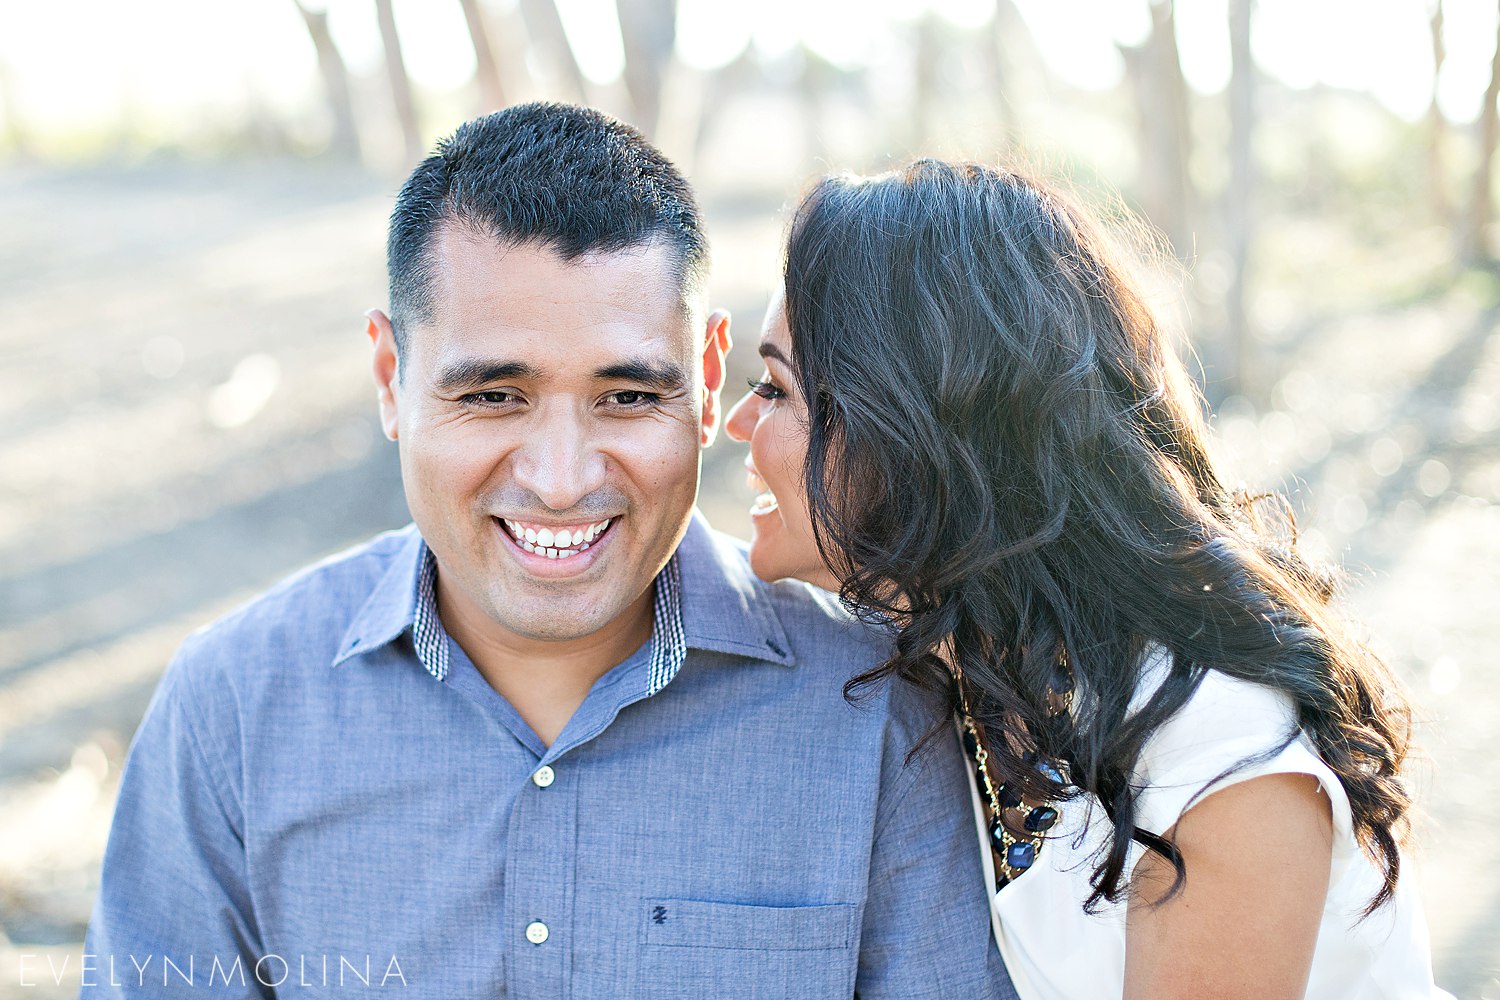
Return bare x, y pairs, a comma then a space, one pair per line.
560, 463
741, 421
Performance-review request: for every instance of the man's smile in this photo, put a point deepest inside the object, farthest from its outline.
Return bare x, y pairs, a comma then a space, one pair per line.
555, 541
555, 551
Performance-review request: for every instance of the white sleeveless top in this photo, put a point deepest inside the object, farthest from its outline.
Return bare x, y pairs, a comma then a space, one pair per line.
1056, 951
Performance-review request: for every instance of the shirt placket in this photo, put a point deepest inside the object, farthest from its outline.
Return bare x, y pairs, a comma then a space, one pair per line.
540, 870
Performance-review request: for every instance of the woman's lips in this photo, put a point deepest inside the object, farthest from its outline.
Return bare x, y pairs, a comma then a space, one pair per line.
765, 500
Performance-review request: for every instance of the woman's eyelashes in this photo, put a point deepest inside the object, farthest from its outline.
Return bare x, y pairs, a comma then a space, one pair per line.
765, 388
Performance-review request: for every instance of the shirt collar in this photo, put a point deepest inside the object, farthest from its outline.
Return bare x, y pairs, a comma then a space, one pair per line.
391, 606
706, 598
725, 607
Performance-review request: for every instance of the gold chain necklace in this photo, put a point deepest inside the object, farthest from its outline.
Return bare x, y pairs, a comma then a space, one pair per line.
1008, 812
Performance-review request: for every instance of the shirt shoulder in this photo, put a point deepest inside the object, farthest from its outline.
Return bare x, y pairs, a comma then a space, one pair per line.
1230, 730
724, 593
829, 637
303, 616
804, 627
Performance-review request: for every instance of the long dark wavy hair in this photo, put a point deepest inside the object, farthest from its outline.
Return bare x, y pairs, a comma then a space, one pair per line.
1007, 462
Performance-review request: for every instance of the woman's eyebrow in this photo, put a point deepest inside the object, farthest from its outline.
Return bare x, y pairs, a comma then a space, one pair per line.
770, 350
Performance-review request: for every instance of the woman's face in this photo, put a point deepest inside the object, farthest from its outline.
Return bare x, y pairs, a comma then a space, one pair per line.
773, 419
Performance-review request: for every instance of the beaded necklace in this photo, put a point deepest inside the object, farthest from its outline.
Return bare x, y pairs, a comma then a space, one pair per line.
1009, 814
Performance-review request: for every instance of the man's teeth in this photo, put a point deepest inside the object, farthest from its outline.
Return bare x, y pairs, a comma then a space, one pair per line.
555, 544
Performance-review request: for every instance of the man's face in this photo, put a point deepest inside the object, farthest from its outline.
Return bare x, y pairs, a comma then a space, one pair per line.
550, 420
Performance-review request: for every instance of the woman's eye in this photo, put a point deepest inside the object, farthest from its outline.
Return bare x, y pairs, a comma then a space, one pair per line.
765, 389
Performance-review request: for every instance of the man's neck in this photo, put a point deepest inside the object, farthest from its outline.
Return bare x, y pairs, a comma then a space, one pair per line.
544, 680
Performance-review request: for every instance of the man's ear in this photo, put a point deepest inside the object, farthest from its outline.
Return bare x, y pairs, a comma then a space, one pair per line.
716, 345
385, 365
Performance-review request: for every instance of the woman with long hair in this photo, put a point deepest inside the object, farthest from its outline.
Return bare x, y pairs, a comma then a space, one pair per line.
1187, 770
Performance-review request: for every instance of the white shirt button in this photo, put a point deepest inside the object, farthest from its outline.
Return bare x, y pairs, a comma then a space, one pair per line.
536, 932
543, 776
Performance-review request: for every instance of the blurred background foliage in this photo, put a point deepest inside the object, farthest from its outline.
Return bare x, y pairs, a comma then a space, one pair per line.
192, 205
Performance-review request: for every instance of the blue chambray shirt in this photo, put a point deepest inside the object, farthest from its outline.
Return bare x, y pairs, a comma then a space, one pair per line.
311, 804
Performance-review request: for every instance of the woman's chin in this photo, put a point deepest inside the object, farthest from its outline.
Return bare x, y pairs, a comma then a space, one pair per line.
820, 577
771, 563
763, 563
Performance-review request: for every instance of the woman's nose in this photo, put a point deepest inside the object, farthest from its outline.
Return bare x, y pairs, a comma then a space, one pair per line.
742, 417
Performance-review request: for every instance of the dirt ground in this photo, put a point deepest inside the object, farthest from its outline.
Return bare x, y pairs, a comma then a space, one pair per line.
190, 418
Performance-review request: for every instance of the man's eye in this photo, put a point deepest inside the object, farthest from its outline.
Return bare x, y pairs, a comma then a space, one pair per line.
634, 398
491, 397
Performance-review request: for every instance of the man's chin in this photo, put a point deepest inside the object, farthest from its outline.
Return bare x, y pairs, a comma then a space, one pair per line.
529, 632
552, 615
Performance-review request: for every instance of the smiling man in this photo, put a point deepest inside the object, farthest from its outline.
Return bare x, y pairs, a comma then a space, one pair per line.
551, 412
554, 739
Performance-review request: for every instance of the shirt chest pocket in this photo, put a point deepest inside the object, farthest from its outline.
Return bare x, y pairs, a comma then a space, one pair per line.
691, 949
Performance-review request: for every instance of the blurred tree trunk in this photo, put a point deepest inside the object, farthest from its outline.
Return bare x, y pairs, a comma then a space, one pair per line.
15, 132
693, 101
1005, 21
345, 138
1437, 125
811, 86
1161, 102
395, 71
545, 28
510, 42
648, 32
486, 69
1019, 75
927, 65
1239, 214
1476, 248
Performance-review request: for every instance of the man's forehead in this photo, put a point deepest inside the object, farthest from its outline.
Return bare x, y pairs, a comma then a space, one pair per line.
538, 354
601, 308
459, 373
463, 254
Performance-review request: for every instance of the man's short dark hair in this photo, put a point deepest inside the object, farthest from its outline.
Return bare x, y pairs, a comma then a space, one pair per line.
571, 179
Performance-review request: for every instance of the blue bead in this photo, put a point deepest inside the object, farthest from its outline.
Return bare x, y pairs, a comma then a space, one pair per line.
971, 744
1021, 855
1040, 819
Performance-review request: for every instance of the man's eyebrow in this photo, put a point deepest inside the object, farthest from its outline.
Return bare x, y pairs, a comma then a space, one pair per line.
662, 377
471, 374
770, 350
